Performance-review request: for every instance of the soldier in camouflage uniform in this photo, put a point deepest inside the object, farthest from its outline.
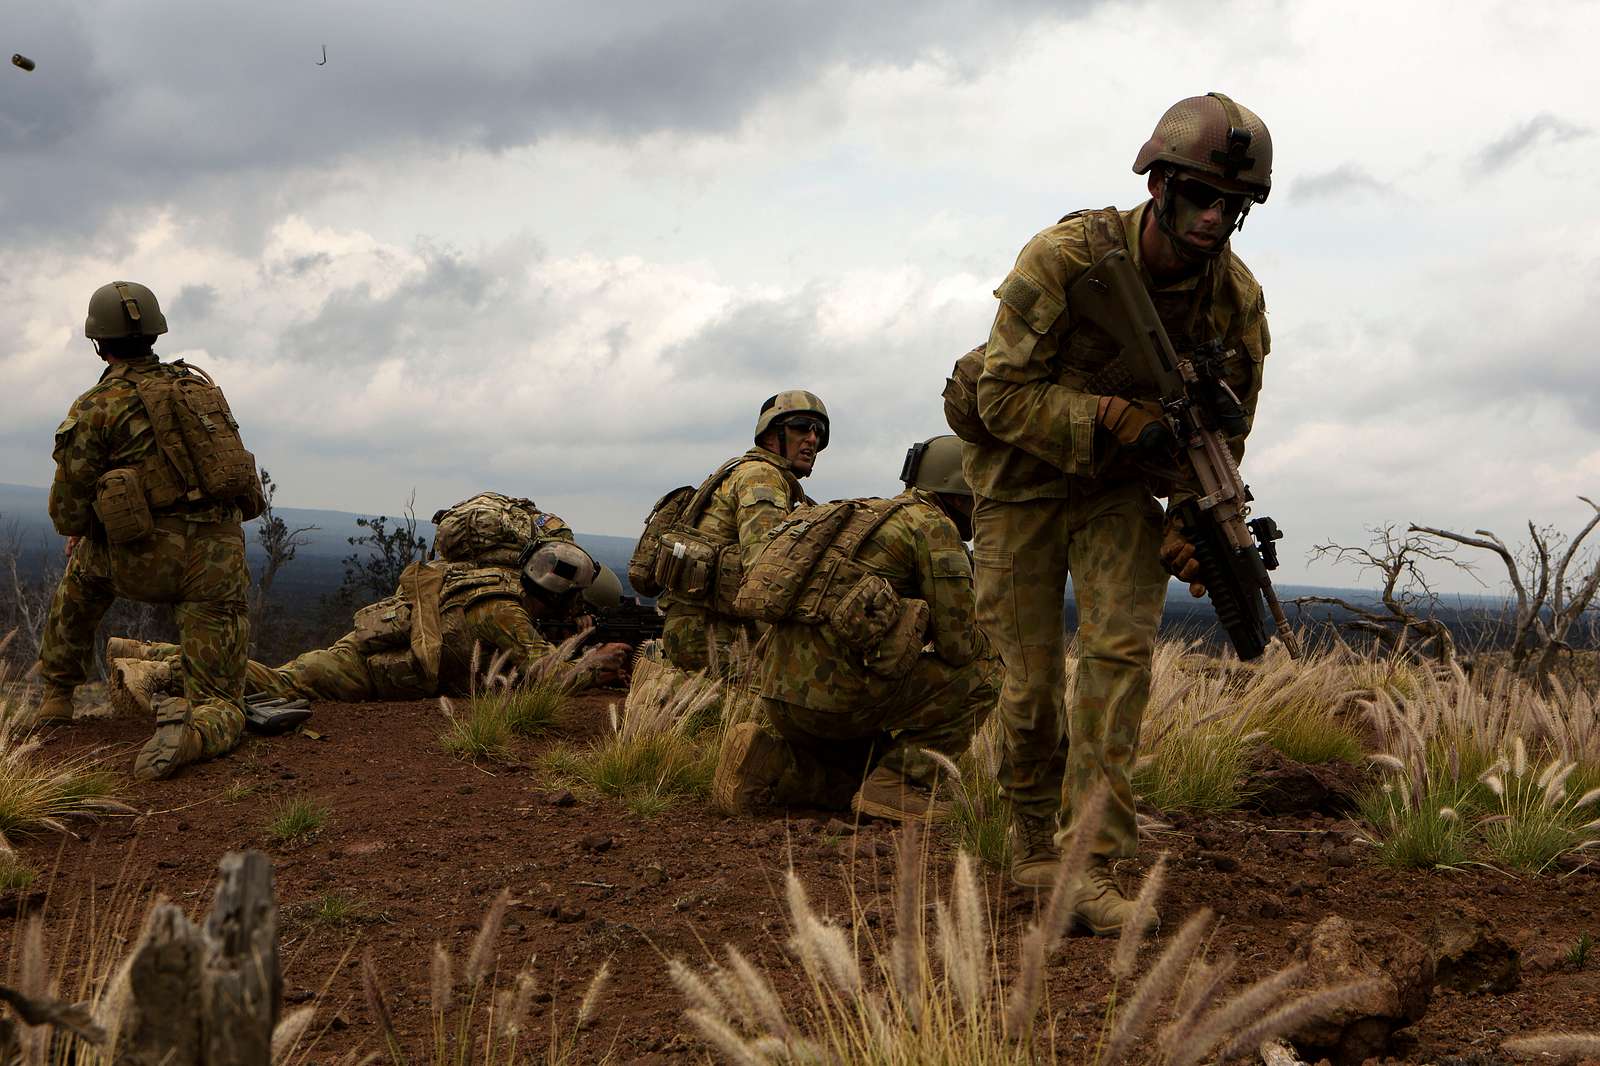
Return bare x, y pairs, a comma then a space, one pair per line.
469, 615
756, 492
192, 558
856, 710
1060, 473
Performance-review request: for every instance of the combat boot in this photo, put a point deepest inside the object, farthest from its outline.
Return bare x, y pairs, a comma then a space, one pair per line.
750, 763
886, 794
128, 648
56, 705
132, 684
1101, 907
176, 742
1034, 855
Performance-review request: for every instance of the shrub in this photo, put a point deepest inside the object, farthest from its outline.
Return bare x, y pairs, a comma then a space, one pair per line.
981, 816
1536, 821
38, 793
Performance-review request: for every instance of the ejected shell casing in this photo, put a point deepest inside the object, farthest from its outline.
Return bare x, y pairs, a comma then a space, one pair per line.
20, 60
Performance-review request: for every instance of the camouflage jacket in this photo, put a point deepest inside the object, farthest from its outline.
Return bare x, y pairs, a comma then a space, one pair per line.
920, 553
749, 504
107, 428
482, 608
1036, 393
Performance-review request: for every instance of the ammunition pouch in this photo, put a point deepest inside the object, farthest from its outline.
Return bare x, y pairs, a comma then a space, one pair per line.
895, 653
383, 625
686, 565
646, 558
120, 504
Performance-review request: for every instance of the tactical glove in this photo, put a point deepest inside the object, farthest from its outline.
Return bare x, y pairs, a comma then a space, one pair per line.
1177, 555
1135, 426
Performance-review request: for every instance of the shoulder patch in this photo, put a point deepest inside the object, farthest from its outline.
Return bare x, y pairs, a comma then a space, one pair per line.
1028, 298
762, 494
950, 562
66, 425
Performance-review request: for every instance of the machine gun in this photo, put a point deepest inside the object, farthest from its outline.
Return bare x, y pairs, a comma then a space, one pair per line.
629, 622
1199, 408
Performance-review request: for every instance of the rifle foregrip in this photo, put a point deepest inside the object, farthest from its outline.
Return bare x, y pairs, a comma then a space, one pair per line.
1232, 579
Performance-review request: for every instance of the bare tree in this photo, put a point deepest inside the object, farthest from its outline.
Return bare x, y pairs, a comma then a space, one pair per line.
390, 551
26, 591
1548, 603
1407, 599
280, 543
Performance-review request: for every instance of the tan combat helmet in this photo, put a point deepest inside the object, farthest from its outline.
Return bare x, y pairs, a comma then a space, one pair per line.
124, 309
1214, 136
557, 568
935, 466
793, 402
606, 591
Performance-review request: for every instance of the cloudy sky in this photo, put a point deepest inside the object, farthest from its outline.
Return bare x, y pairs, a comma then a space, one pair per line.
565, 250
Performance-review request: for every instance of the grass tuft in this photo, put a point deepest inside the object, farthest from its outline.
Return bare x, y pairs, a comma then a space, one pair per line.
39, 793
15, 875
296, 818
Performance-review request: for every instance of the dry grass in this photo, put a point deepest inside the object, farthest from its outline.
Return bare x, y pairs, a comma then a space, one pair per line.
658, 749
938, 995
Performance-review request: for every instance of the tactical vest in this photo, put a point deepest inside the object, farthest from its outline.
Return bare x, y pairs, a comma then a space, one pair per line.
808, 572
492, 530
693, 565
425, 618
199, 456
1087, 359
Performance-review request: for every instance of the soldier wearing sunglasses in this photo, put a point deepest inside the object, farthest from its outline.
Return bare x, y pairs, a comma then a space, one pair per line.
1068, 468
746, 498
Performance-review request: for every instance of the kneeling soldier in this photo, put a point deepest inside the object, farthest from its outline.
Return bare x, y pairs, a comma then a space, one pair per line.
874, 657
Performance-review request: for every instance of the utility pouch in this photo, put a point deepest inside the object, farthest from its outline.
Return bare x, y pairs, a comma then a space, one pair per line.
865, 612
961, 399
383, 625
686, 565
120, 503
896, 652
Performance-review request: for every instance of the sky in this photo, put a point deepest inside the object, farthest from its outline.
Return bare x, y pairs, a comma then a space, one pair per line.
565, 251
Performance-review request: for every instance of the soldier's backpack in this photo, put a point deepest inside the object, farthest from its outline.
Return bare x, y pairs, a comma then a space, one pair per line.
961, 399
672, 556
807, 572
491, 530
200, 453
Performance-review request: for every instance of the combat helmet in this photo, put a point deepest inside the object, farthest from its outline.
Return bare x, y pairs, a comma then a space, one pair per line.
1214, 136
606, 590
124, 309
934, 465
793, 402
556, 569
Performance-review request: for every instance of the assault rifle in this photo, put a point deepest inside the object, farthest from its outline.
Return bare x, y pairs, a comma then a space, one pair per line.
629, 622
1199, 407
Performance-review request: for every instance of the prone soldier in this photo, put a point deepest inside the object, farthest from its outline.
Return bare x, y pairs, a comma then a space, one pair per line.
874, 657
152, 483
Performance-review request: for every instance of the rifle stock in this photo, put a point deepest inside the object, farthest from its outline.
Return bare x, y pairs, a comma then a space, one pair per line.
1234, 554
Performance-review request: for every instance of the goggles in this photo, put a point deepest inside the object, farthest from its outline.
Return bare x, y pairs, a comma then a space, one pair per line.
1202, 197
803, 425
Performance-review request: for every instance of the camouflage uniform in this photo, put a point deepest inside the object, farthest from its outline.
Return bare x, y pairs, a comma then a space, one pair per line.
1054, 495
834, 713
754, 497
194, 560
481, 608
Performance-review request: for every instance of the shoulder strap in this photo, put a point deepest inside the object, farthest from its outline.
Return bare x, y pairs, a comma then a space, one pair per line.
421, 585
870, 516
702, 496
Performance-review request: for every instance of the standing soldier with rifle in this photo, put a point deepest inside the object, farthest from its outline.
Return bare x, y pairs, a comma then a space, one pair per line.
1070, 441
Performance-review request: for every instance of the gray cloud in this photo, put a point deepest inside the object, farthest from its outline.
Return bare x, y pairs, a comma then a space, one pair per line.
1345, 181
138, 103
194, 303
1510, 145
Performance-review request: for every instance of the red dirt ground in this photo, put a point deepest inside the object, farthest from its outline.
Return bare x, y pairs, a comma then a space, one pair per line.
425, 841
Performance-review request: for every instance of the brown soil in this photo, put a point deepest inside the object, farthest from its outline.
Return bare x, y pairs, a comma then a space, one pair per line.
425, 841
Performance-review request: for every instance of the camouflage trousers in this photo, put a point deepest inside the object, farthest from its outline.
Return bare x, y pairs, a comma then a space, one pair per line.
937, 707
693, 638
341, 673
1023, 552
199, 568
